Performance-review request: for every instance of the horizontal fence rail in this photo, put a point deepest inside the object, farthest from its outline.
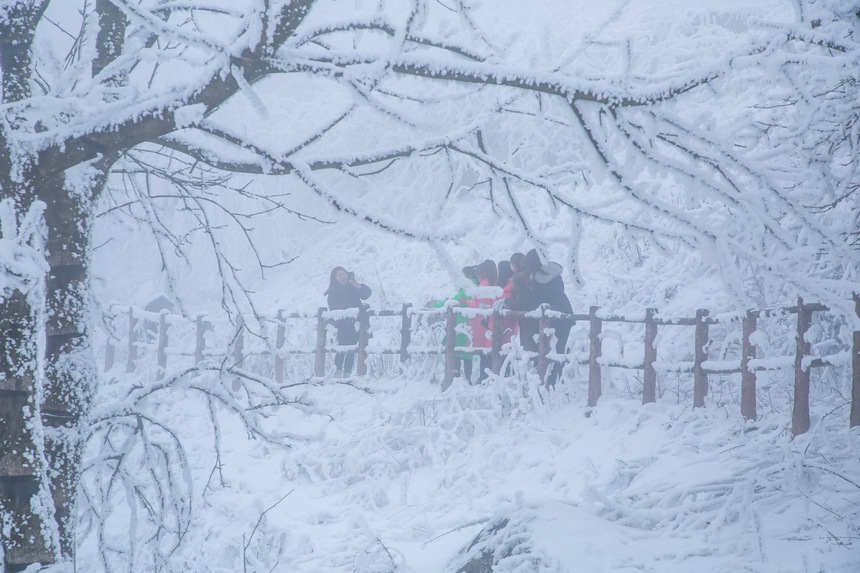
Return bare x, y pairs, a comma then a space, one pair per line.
147, 331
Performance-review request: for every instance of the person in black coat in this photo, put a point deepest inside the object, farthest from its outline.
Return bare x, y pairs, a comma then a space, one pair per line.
545, 286
345, 292
521, 299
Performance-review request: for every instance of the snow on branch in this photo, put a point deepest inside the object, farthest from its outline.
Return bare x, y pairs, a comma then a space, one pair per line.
22, 258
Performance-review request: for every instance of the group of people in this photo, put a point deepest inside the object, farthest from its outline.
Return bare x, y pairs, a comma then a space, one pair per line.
526, 283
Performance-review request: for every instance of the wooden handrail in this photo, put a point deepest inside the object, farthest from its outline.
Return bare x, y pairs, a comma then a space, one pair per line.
595, 351
748, 364
854, 418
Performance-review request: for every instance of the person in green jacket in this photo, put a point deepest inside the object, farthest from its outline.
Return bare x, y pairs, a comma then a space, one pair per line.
461, 326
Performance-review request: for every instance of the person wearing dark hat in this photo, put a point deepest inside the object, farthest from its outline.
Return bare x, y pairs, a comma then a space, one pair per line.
524, 267
343, 292
517, 263
531, 263
545, 286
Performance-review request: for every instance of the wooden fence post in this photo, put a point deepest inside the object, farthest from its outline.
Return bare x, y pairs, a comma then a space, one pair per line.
238, 352
132, 341
543, 343
110, 355
800, 412
700, 377
405, 332
649, 376
498, 334
748, 375
854, 419
595, 350
239, 345
450, 339
162, 346
319, 351
280, 337
363, 337
200, 343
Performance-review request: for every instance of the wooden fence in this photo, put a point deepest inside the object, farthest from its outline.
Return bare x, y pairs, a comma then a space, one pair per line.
701, 367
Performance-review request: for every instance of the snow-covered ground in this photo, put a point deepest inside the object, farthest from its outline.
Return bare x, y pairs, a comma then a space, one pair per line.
395, 475
389, 473
407, 477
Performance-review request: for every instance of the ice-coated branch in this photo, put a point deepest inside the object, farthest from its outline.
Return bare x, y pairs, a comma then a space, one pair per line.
21, 245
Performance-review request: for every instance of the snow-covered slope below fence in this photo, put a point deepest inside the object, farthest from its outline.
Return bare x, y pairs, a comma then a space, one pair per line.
400, 477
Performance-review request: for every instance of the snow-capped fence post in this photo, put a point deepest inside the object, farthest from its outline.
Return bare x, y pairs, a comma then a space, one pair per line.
162, 345
200, 342
543, 343
319, 351
280, 337
649, 376
363, 336
405, 332
498, 335
132, 341
239, 343
748, 375
700, 377
800, 412
450, 338
110, 355
854, 418
594, 352
238, 351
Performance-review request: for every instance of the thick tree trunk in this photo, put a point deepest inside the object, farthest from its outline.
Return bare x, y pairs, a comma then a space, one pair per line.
70, 370
51, 377
21, 465
20, 472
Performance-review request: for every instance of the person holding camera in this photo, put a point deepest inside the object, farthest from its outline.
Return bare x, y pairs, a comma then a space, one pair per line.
344, 291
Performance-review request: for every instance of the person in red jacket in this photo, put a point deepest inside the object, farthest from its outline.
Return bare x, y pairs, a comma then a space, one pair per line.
506, 282
487, 276
345, 292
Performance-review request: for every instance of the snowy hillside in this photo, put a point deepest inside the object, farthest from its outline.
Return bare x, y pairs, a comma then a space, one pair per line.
394, 475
